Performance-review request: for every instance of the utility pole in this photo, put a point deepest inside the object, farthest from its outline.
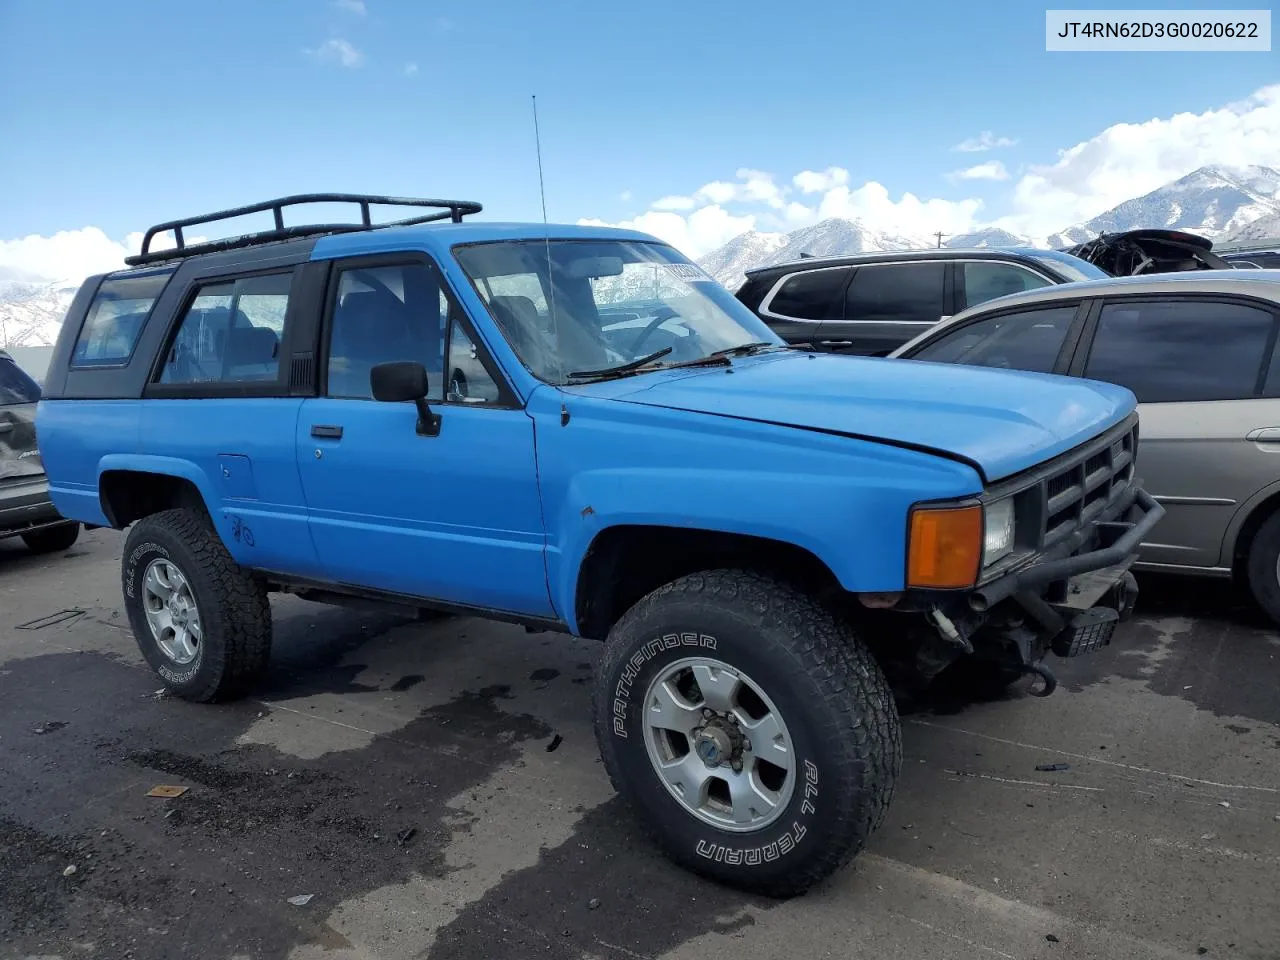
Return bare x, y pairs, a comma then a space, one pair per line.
940, 235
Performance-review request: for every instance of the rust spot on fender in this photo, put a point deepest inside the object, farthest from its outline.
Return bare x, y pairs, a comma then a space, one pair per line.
588, 510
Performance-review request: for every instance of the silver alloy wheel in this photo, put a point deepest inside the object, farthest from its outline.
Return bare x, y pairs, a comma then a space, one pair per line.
719, 744
171, 611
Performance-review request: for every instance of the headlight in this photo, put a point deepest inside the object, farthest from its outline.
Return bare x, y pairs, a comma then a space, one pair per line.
998, 531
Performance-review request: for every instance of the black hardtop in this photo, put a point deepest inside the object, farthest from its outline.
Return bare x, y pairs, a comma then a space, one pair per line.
1006, 254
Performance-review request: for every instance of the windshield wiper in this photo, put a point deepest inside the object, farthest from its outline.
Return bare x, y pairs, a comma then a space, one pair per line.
741, 349
621, 368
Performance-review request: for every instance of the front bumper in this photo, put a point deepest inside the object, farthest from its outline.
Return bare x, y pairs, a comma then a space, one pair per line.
25, 506
1075, 596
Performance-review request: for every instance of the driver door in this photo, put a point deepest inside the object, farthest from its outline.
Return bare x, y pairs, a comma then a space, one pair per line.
455, 517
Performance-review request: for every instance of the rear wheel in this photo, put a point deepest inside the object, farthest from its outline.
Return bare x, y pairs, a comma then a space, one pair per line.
749, 729
1263, 566
201, 621
52, 539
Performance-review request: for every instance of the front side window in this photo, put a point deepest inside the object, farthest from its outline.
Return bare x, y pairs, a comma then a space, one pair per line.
231, 333
1030, 340
605, 303
15, 385
114, 320
896, 293
812, 295
1173, 350
987, 279
383, 314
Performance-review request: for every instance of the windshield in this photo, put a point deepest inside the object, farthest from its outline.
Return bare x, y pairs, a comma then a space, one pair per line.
1071, 267
15, 385
615, 302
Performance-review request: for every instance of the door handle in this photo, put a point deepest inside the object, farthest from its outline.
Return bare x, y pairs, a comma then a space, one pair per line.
326, 430
836, 343
6, 428
1264, 435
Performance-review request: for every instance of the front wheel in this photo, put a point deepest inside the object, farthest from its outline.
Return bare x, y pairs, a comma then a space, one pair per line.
749, 728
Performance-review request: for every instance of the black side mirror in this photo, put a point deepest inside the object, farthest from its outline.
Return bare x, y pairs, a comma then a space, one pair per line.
398, 381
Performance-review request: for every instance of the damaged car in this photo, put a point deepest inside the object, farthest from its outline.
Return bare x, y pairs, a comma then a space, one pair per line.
1132, 252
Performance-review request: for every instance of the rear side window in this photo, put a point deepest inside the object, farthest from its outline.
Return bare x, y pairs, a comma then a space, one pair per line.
896, 293
115, 318
986, 280
812, 295
1167, 351
1030, 340
15, 385
231, 332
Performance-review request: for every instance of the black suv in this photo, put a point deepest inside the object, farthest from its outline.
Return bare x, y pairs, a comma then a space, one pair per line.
872, 303
25, 508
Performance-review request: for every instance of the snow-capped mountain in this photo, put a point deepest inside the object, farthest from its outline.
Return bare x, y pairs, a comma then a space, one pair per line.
826, 238
988, 237
752, 247
32, 309
1264, 228
1218, 202
1214, 202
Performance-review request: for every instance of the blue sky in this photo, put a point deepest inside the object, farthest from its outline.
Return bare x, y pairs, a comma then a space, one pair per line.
132, 111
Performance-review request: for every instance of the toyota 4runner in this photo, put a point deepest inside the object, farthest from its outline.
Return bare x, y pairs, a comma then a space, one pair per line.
576, 429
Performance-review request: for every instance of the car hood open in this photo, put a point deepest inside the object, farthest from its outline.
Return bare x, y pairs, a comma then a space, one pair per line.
1000, 421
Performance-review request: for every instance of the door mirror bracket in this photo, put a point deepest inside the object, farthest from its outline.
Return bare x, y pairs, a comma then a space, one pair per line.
400, 380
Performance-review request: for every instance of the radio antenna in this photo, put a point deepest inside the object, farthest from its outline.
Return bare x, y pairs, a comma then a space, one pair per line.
551, 283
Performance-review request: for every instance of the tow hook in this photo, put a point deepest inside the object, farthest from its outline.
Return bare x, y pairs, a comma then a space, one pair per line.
1042, 671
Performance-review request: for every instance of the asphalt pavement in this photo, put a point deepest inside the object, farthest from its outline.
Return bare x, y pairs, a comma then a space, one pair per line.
432, 790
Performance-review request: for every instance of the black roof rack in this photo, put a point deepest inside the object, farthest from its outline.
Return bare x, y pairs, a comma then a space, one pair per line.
446, 210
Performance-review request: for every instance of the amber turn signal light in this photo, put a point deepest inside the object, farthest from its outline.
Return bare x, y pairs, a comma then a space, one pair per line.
945, 548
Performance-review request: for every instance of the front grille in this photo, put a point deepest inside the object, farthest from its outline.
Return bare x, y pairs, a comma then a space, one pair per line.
1083, 486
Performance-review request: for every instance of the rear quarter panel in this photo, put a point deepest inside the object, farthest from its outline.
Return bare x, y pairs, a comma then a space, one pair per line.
74, 437
843, 500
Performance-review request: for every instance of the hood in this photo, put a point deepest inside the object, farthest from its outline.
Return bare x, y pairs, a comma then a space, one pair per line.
999, 421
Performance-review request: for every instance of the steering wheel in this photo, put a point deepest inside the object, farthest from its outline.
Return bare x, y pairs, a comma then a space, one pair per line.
662, 316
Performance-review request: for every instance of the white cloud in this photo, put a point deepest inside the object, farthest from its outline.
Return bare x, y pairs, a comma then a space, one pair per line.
991, 170
75, 254
338, 51
698, 233
759, 186
811, 181
674, 203
351, 6
984, 141
758, 200
909, 216
1129, 159
717, 191
409, 69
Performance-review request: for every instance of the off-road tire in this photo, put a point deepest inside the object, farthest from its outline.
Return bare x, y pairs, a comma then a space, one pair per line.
52, 539
1260, 567
841, 715
234, 611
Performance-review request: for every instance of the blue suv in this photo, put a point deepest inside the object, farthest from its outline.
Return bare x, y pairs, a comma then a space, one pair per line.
574, 428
